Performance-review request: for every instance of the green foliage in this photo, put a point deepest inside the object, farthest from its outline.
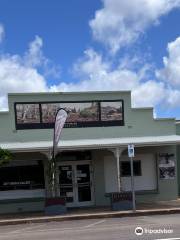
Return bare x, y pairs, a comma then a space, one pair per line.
5, 156
86, 113
51, 173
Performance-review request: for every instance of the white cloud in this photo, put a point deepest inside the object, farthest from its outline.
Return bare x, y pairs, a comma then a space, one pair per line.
150, 93
26, 73
97, 74
20, 73
34, 56
121, 22
171, 71
14, 77
173, 98
2, 33
117, 24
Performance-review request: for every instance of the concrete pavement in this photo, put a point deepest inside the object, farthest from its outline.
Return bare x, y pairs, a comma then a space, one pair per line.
143, 209
90, 215
153, 227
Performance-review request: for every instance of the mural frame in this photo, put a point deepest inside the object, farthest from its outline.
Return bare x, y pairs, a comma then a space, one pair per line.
43, 125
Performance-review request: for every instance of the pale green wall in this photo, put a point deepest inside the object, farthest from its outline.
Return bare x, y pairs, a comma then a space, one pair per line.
98, 177
138, 122
167, 189
21, 205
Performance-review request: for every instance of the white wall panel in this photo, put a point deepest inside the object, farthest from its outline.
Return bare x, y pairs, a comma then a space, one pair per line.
110, 174
148, 180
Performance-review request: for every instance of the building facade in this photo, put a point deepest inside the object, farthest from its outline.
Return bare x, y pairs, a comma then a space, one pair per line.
92, 159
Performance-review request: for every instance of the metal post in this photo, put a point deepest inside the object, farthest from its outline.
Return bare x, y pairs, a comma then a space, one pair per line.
132, 185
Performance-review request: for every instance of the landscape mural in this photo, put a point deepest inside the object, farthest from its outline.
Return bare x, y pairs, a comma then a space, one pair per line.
27, 113
77, 112
111, 111
96, 113
49, 111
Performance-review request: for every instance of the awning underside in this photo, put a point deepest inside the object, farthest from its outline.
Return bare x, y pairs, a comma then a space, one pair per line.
93, 143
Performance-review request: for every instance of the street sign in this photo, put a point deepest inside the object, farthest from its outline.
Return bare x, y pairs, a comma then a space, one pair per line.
130, 150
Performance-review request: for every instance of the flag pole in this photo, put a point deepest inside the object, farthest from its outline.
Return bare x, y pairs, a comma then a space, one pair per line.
60, 119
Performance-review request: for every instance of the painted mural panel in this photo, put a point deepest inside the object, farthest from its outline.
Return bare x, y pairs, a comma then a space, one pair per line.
27, 113
111, 111
49, 112
77, 112
80, 114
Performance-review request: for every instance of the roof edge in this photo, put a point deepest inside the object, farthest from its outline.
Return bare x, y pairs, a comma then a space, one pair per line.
66, 93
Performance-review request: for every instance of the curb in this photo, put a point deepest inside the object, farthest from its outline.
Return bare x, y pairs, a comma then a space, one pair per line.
117, 214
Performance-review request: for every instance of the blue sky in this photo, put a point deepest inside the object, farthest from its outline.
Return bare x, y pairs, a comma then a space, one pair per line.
63, 26
93, 45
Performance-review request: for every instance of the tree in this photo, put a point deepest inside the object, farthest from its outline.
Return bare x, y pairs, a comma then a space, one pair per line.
5, 156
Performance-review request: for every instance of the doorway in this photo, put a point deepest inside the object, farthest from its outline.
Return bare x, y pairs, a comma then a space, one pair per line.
75, 183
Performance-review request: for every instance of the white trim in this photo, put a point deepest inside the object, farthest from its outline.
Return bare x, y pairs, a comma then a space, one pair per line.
93, 143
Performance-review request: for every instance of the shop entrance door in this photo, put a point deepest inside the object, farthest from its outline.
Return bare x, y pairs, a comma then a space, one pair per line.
75, 183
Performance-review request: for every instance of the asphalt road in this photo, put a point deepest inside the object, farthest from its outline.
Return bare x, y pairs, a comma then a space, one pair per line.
97, 229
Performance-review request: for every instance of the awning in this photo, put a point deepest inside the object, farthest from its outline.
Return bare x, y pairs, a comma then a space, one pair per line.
101, 143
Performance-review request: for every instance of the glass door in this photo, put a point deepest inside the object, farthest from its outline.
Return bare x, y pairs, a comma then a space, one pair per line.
66, 182
83, 179
75, 182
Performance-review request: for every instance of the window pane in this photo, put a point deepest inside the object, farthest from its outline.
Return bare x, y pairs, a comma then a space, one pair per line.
21, 177
126, 168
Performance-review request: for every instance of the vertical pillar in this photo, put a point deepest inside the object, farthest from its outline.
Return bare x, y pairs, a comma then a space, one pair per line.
118, 168
117, 154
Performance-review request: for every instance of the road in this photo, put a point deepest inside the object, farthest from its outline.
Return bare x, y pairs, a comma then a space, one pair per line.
96, 229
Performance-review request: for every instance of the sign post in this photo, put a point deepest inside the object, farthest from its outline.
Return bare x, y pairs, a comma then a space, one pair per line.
131, 155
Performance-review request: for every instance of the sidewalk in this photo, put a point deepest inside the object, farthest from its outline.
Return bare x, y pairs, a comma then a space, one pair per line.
143, 209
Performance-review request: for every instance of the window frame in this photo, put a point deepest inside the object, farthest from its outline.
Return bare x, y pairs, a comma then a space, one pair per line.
129, 175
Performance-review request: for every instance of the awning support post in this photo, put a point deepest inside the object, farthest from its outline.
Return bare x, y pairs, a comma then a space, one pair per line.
118, 153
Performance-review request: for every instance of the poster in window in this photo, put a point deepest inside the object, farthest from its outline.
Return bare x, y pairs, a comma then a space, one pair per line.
77, 112
111, 111
166, 166
28, 113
